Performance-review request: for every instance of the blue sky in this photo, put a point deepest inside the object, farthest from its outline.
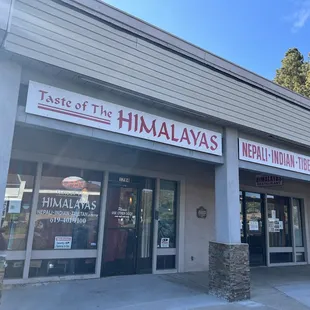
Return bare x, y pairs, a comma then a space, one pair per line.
254, 34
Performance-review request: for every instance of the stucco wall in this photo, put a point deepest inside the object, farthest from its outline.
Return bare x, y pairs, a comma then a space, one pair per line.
198, 232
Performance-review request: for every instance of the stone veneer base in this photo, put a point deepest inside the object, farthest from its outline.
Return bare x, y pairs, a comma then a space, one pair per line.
229, 271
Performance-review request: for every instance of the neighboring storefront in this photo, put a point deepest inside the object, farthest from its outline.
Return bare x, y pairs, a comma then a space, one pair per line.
273, 208
143, 154
273, 226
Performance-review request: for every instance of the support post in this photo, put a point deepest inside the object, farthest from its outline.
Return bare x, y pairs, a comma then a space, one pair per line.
103, 206
10, 75
155, 234
229, 272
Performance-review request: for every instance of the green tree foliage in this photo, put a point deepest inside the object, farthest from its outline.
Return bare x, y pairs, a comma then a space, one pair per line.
307, 85
294, 72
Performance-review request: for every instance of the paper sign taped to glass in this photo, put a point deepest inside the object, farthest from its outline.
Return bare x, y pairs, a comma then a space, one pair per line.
62, 242
164, 242
14, 206
274, 225
281, 224
253, 225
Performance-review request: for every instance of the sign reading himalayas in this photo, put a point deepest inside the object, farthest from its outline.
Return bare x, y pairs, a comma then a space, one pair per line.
51, 102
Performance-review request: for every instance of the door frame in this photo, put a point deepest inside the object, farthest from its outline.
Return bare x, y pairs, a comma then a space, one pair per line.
305, 214
107, 168
139, 187
263, 217
139, 236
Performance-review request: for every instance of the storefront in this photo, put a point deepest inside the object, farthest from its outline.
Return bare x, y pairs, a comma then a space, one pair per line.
130, 152
273, 208
78, 207
273, 226
68, 219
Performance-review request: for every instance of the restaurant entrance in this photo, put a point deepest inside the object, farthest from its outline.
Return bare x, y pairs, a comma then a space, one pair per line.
253, 226
129, 226
273, 227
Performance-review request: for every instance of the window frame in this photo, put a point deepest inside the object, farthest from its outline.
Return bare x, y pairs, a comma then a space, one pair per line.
34, 175
293, 249
80, 172
106, 168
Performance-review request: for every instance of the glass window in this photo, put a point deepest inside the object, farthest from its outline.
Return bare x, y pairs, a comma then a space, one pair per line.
122, 207
300, 257
281, 258
297, 222
146, 223
254, 216
165, 262
14, 269
254, 228
279, 224
61, 267
167, 214
17, 205
68, 209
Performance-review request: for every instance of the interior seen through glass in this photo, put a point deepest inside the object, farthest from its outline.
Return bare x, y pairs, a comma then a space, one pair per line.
279, 222
129, 226
68, 209
284, 214
67, 217
17, 206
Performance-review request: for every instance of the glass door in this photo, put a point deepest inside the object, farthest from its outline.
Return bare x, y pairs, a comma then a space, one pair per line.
279, 228
281, 220
252, 226
121, 231
255, 228
145, 232
129, 226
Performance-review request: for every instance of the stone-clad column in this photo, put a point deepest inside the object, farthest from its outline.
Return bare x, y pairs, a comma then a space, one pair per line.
229, 273
10, 74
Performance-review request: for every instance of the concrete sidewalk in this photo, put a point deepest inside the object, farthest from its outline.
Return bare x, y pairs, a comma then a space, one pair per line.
122, 293
284, 288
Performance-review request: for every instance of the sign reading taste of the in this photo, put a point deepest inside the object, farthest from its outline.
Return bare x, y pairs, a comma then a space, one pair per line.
75, 108
273, 157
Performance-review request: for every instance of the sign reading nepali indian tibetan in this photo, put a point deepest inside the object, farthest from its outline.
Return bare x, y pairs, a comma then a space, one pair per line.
75, 108
274, 157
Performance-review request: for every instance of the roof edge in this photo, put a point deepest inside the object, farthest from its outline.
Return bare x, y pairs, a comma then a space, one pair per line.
135, 25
